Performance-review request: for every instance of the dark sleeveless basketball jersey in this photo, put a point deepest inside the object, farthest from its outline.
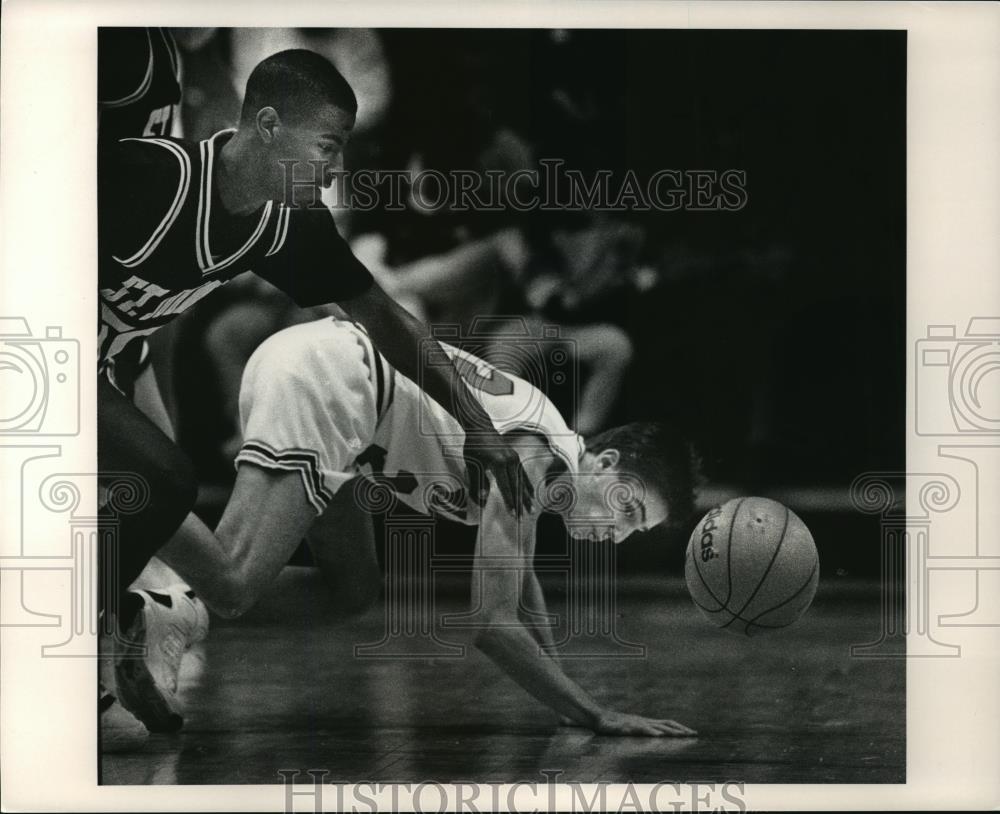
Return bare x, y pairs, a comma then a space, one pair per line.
165, 241
139, 93
138, 82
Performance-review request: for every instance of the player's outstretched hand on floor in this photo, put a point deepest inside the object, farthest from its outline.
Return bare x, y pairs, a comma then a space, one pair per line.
621, 723
495, 457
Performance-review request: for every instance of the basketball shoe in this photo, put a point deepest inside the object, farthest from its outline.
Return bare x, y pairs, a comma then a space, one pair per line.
171, 620
121, 731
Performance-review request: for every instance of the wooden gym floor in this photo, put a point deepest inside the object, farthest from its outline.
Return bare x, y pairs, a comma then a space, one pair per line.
282, 689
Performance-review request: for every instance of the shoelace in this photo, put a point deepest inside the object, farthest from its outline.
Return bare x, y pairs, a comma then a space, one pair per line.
173, 646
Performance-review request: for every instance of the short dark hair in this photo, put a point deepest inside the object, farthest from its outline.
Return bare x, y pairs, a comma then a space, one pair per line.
660, 456
295, 82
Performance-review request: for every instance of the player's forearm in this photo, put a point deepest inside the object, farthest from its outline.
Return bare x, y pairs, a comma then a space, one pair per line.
513, 649
400, 339
533, 613
196, 554
540, 632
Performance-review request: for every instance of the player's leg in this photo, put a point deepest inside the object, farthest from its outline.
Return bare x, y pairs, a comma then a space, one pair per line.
342, 543
148, 483
133, 453
148, 398
605, 351
264, 521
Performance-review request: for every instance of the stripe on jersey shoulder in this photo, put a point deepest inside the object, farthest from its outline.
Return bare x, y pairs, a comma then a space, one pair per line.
143, 88
203, 251
303, 461
183, 184
200, 243
280, 230
172, 52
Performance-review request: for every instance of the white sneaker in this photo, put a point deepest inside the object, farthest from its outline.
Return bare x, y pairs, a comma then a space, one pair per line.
121, 731
172, 619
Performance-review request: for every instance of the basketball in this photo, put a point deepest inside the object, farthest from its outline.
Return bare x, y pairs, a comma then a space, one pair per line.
751, 566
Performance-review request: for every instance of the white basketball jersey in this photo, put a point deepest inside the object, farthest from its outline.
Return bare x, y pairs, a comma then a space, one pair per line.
421, 439
318, 398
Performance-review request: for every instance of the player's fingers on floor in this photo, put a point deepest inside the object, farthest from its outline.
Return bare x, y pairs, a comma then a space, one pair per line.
677, 729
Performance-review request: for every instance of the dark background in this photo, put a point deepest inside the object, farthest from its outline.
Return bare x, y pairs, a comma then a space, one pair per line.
776, 334
777, 331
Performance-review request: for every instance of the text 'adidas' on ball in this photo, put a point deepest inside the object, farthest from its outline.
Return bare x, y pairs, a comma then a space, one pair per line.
752, 566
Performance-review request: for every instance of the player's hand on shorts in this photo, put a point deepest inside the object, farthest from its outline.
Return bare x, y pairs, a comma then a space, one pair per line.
489, 453
611, 722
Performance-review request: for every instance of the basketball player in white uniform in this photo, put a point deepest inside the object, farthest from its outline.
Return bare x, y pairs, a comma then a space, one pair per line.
321, 410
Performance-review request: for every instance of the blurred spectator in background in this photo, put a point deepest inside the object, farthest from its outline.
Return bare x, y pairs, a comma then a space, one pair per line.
494, 269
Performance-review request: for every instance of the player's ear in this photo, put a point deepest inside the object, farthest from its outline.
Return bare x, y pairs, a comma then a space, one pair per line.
268, 121
608, 459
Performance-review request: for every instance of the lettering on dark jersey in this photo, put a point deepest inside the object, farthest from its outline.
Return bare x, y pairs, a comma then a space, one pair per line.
143, 300
159, 121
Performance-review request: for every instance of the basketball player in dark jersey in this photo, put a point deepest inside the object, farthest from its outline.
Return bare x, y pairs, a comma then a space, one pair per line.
139, 93
176, 220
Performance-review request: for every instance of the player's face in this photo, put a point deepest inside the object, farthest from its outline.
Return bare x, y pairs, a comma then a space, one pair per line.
612, 502
315, 143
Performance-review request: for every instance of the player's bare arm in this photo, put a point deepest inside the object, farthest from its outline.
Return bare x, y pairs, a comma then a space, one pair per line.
266, 517
534, 613
502, 557
399, 336
537, 459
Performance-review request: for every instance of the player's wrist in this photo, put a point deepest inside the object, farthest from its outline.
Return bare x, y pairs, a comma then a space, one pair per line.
595, 718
